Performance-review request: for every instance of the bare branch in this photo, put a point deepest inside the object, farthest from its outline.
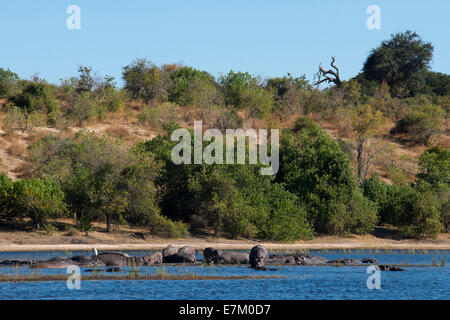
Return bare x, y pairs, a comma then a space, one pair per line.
326, 75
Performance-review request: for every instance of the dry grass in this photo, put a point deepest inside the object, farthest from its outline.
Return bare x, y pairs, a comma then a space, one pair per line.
118, 132
126, 276
17, 149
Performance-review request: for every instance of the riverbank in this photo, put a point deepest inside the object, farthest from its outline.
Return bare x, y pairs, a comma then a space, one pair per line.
13, 241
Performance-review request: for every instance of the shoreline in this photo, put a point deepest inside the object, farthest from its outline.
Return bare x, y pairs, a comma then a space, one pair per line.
200, 244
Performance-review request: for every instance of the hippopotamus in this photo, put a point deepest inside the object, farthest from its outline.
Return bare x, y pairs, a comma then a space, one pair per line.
369, 260
169, 250
226, 257
187, 250
154, 258
114, 258
180, 258
306, 259
234, 257
9, 263
185, 254
258, 256
384, 267
346, 261
210, 254
52, 264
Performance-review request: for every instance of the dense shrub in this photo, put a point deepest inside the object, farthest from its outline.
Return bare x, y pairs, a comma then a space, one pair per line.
100, 178
314, 168
37, 96
231, 200
191, 87
421, 123
144, 80
233, 86
35, 199
229, 119
9, 83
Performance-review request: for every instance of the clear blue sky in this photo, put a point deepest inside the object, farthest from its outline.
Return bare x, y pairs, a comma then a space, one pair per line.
268, 38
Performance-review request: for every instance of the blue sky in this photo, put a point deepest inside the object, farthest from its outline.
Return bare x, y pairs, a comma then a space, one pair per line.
268, 38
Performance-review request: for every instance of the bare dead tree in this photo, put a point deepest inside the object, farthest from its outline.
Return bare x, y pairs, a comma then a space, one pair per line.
327, 75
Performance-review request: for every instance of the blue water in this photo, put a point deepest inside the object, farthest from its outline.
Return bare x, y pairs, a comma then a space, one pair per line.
300, 282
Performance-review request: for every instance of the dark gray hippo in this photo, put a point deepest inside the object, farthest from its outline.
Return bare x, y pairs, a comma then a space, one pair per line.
187, 250
169, 250
154, 258
52, 264
14, 263
369, 260
210, 254
345, 261
180, 258
306, 259
234, 257
258, 257
114, 258
186, 254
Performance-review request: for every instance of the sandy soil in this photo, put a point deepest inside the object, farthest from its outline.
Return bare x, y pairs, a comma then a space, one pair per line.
125, 240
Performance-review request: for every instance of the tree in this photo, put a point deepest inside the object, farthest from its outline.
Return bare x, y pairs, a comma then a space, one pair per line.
191, 87
37, 96
421, 123
401, 61
233, 85
8, 83
99, 176
365, 122
85, 82
313, 167
38, 200
144, 80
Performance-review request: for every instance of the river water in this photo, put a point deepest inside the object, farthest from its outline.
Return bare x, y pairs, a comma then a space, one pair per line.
299, 282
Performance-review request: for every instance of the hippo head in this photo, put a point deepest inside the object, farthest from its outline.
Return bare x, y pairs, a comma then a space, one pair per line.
258, 256
211, 255
169, 250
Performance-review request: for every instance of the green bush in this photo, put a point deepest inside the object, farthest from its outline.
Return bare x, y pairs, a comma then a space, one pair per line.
9, 83
158, 116
421, 123
314, 168
257, 101
191, 87
85, 108
229, 119
37, 96
38, 200
144, 80
233, 86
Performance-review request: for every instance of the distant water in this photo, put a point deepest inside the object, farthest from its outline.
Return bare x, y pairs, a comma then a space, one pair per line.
300, 282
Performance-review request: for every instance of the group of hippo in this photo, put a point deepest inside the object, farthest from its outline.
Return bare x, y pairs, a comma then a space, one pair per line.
258, 258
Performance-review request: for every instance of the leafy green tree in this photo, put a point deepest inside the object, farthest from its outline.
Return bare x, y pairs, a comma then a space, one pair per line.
85, 82
144, 80
437, 83
38, 200
434, 166
434, 171
233, 86
191, 87
401, 61
99, 177
37, 96
421, 123
9, 83
313, 167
